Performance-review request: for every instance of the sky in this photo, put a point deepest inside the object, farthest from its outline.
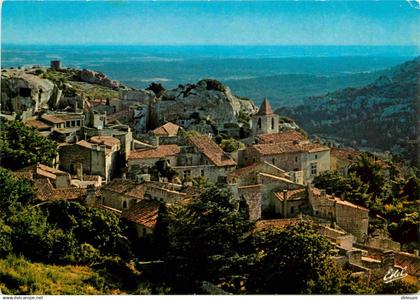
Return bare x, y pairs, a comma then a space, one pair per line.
210, 23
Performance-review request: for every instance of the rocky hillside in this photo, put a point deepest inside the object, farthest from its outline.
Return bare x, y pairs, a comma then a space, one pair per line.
208, 99
381, 115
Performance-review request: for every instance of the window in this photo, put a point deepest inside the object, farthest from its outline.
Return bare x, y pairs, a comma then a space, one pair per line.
202, 173
73, 123
292, 209
68, 124
78, 123
187, 173
272, 123
124, 204
259, 123
296, 158
316, 156
273, 161
313, 168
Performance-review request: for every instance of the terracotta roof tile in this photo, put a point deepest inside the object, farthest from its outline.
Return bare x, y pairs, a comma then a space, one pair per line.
159, 152
344, 153
108, 141
37, 124
212, 151
168, 129
144, 212
52, 119
45, 191
281, 137
291, 147
124, 186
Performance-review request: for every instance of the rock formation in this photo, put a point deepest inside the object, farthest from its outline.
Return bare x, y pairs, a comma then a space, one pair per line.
98, 78
206, 100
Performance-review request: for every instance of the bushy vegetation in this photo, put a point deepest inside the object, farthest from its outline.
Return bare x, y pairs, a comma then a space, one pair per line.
22, 146
231, 145
391, 196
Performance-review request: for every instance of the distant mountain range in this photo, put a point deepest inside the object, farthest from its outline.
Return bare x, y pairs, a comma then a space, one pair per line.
379, 115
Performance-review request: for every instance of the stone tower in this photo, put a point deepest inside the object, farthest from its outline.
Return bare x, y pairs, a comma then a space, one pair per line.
265, 120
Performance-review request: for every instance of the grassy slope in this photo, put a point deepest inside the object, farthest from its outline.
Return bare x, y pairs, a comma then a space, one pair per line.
19, 276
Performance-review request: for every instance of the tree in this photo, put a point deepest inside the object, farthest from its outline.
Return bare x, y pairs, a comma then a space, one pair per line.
294, 260
205, 236
231, 145
22, 146
156, 88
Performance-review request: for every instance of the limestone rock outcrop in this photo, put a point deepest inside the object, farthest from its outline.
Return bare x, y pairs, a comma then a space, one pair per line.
206, 100
98, 78
26, 94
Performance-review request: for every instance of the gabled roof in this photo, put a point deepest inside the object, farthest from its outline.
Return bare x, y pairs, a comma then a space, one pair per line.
42, 170
108, 141
248, 169
144, 212
168, 129
37, 124
159, 152
45, 191
284, 136
125, 187
265, 109
290, 147
212, 151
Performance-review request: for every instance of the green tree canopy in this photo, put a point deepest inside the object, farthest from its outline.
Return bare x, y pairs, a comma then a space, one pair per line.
21, 146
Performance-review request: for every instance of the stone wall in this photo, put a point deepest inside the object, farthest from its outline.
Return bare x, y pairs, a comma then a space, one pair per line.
252, 196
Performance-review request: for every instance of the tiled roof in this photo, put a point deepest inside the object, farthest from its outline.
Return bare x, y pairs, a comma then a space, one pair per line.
126, 187
281, 137
291, 147
248, 169
119, 115
45, 191
43, 170
159, 152
291, 194
88, 145
265, 108
344, 153
168, 129
275, 223
37, 124
144, 212
108, 141
52, 119
212, 151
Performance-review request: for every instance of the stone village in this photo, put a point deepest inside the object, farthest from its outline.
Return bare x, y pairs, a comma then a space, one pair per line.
131, 153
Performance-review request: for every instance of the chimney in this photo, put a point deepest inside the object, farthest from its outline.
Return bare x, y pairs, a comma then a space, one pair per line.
79, 171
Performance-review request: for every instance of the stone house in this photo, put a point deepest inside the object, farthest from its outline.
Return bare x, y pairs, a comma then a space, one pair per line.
58, 178
203, 158
98, 156
143, 215
311, 159
248, 175
139, 160
121, 193
352, 218
168, 129
341, 158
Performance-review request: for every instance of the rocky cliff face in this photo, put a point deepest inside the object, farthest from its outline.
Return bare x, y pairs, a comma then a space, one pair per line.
25, 93
206, 100
380, 115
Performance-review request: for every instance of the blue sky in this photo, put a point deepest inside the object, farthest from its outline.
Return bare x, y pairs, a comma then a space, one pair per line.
211, 23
